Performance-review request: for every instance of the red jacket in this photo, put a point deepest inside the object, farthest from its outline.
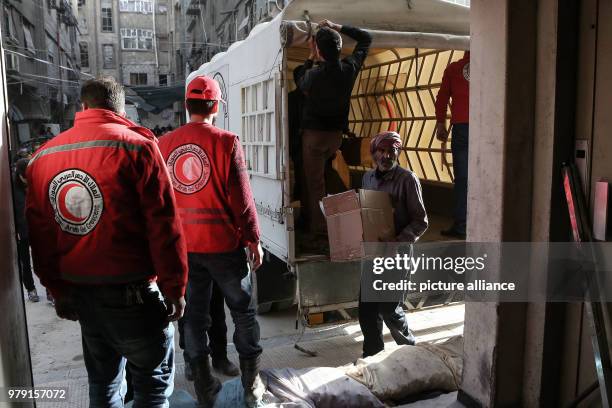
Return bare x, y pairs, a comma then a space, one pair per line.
212, 189
101, 209
455, 85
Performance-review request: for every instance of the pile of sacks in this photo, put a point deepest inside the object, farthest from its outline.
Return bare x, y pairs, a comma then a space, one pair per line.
405, 371
389, 377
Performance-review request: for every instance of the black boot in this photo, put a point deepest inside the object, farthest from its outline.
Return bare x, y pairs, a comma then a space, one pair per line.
206, 385
223, 366
251, 382
188, 371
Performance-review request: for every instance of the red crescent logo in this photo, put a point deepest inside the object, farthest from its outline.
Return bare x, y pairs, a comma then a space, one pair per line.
64, 206
188, 169
77, 201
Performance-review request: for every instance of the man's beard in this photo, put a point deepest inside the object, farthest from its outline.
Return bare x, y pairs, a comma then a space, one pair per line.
386, 165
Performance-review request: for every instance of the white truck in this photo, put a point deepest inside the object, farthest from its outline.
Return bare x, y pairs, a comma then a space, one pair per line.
413, 42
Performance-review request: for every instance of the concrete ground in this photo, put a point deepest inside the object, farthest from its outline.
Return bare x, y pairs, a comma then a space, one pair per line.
57, 358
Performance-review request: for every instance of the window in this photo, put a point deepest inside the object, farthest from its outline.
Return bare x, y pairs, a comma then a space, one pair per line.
137, 78
258, 127
81, 3
163, 80
108, 52
162, 8
84, 48
12, 61
136, 39
136, 6
107, 17
8, 25
27, 34
72, 73
83, 25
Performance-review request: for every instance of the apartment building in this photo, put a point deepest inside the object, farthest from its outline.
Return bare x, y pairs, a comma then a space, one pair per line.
130, 40
42, 66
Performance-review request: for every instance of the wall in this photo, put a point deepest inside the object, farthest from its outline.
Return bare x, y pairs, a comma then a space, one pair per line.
90, 14
522, 121
593, 122
15, 366
525, 117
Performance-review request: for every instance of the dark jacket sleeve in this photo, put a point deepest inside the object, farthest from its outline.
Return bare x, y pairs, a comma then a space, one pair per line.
364, 39
46, 257
19, 193
302, 76
416, 208
241, 198
167, 243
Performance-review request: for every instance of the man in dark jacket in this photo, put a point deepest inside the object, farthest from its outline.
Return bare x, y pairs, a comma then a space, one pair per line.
327, 87
410, 219
20, 185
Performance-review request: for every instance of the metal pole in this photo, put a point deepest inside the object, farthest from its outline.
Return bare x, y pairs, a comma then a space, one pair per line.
155, 45
59, 71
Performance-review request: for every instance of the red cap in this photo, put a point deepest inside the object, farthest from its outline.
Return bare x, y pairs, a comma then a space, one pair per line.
203, 87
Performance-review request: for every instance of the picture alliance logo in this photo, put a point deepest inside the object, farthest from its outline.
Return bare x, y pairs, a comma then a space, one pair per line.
77, 201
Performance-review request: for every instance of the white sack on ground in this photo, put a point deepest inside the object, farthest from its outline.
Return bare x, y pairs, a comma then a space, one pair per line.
409, 370
320, 387
443, 401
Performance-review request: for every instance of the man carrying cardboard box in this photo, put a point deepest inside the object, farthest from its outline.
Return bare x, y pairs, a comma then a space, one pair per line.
410, 219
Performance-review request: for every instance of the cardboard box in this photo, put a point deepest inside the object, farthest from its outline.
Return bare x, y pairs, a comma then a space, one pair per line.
345, 232
354, 218
339, 203
376, 215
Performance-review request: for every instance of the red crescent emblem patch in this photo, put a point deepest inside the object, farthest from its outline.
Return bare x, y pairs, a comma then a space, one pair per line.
189, 168
73, 202
76, 200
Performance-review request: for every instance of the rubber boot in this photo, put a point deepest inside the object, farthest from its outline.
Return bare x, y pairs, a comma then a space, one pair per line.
251, 382
206, 385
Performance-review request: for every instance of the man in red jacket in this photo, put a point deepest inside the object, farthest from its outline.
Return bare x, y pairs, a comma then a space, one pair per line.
219, 218
456, 86
106, 239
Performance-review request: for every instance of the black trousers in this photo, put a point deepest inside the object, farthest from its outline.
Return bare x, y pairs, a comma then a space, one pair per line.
371, 317
217, 333
23, 252
230, 271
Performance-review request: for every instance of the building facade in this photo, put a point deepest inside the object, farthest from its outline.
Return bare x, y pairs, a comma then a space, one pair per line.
131, 41
43, 68
206, 27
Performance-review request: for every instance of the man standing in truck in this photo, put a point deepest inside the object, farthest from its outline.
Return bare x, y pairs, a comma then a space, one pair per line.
327, 87
410, 221
218, 213
107, 242
456, 86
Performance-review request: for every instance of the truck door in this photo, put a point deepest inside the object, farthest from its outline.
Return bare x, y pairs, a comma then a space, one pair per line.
261, 107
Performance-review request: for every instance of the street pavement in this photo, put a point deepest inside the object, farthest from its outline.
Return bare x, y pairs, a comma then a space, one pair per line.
57, 358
